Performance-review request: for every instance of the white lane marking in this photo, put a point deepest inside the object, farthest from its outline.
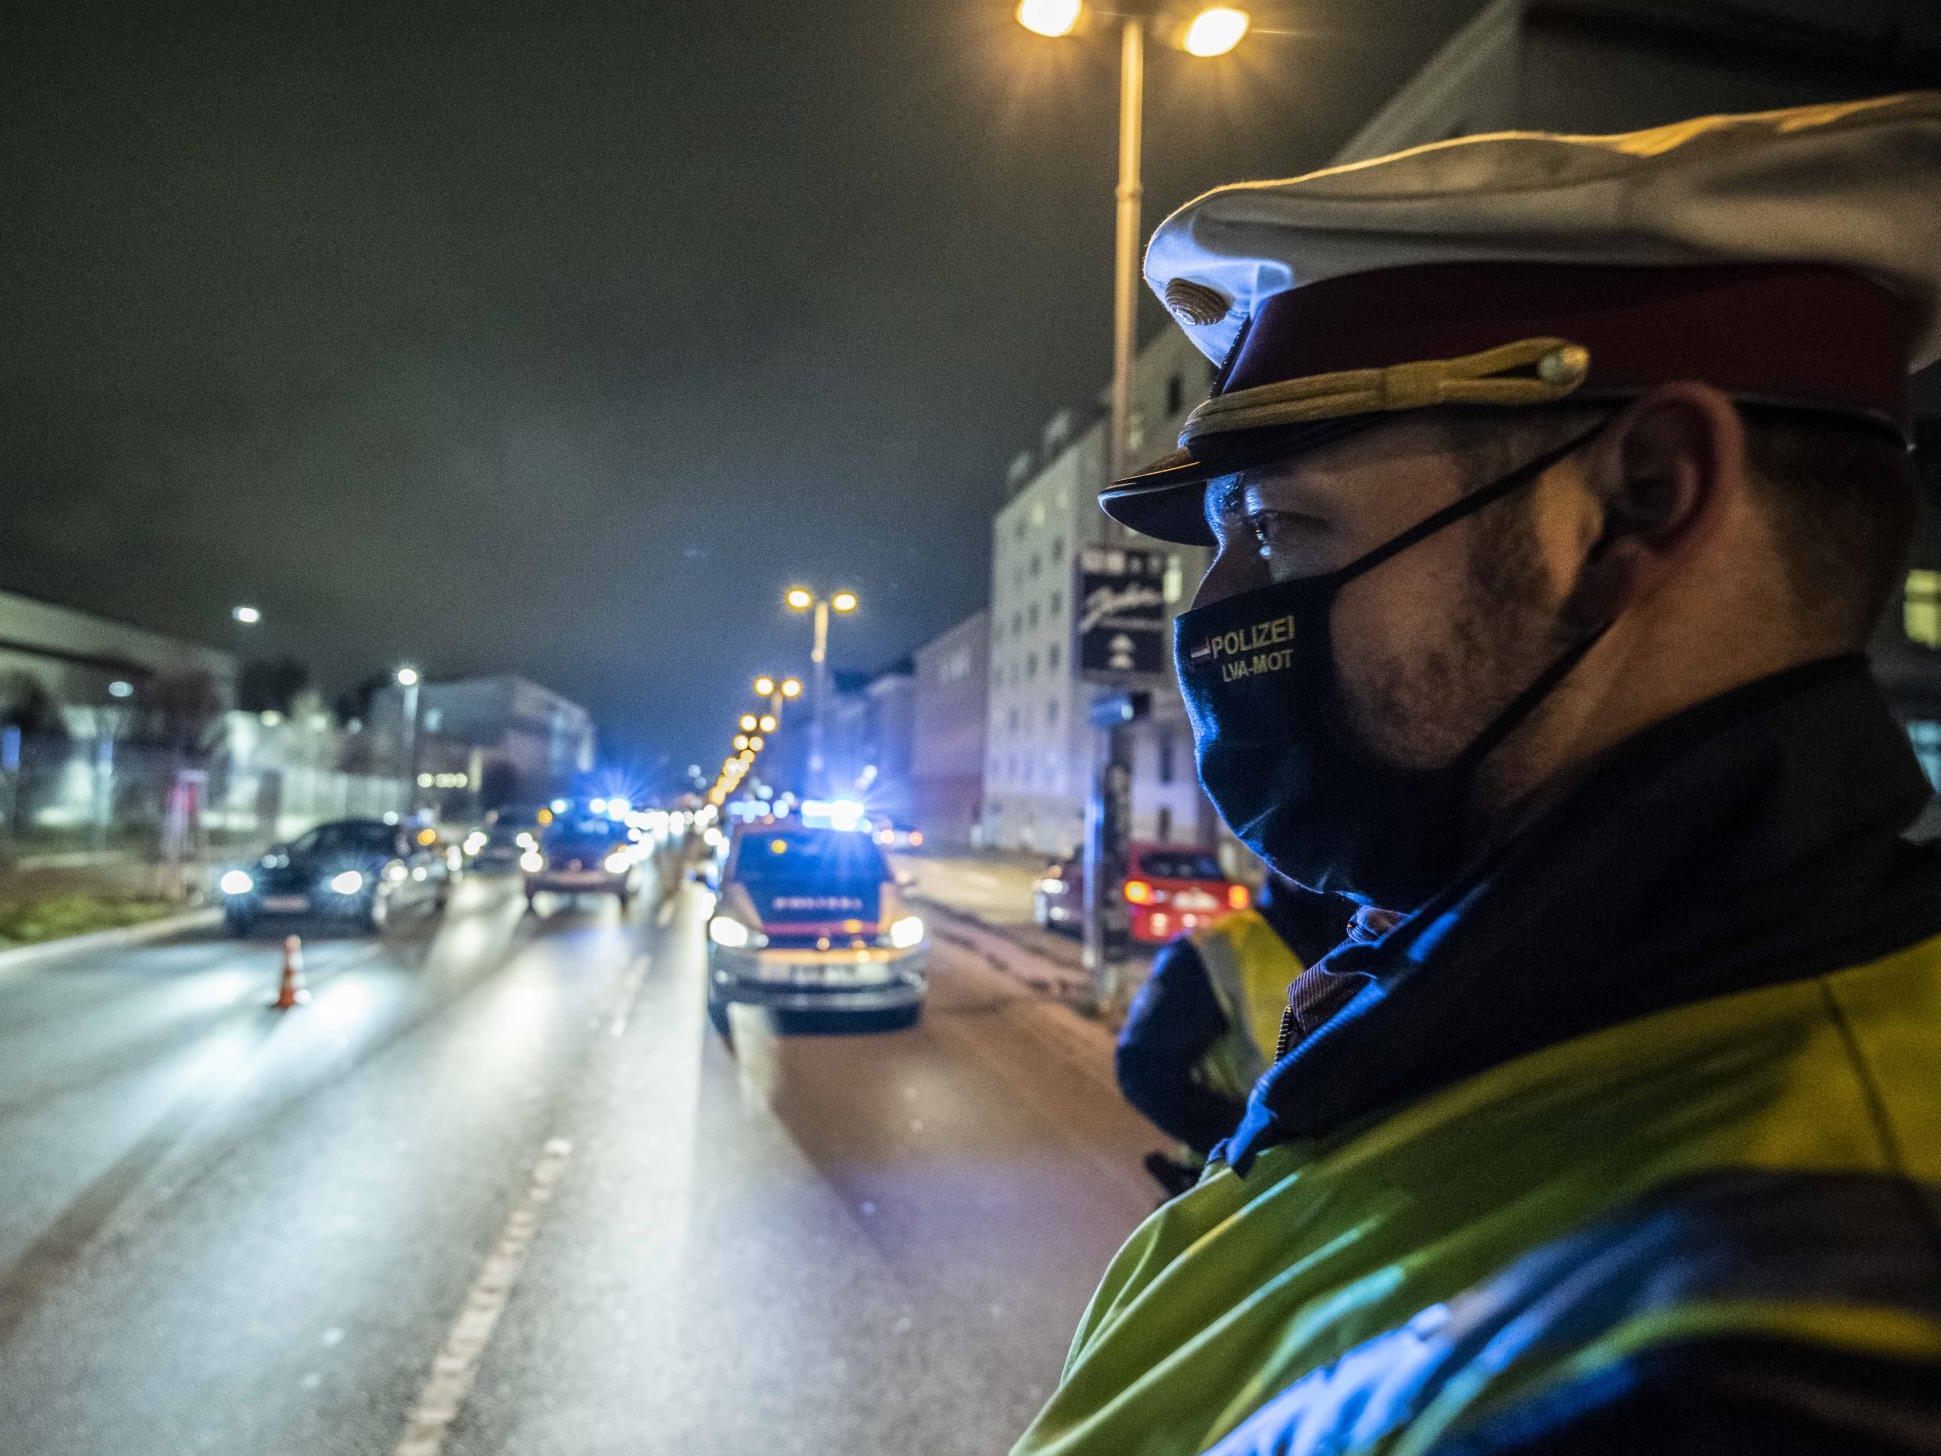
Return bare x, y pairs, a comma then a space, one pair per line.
979, 877
629, 989
457, 1362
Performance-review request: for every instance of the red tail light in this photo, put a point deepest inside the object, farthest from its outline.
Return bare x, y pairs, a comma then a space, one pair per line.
1239, 897
1138, 892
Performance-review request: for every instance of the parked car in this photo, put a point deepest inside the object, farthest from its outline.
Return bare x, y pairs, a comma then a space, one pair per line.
812, 918
582, 854
895, 834
1168, 888
356, 871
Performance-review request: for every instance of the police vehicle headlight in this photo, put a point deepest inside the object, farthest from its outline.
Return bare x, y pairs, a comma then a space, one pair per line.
619, 862
236, 882
724, 930
532, 861
907, 932
348, 882
526, 841
474, 843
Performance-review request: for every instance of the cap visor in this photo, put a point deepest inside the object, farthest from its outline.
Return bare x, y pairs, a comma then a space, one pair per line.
1166, 499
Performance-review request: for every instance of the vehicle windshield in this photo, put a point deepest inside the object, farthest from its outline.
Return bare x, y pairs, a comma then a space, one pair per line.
1180, 864
795, 856
587, 829
349, 837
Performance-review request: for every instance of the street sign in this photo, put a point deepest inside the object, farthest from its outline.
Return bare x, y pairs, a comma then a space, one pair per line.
1121, 609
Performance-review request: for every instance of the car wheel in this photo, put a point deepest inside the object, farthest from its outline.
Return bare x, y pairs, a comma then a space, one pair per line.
903, 1018
532, 902
626, 898
718, 1019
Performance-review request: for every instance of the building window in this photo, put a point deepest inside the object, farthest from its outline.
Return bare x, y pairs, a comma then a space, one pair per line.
1175, 582
1013, 719
1921, 608
1165, 824
1925, 735
1057, 548
1037, 564
1175, 397
1052, 654
1017, 623
1030, 665
1165, 759
1057, 601
1051, 713
1031, 616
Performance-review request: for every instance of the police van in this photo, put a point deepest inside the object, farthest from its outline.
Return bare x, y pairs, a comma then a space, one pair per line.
811, 918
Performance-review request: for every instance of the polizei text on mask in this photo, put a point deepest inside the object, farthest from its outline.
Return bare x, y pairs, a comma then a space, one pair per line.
1249, 651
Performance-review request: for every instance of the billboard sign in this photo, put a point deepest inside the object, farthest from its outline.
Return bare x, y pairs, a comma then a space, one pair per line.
1121, 608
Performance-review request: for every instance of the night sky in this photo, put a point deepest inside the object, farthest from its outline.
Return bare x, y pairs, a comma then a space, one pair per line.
557, 340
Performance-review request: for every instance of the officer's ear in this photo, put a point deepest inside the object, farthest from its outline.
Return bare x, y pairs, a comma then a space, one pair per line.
1661, 477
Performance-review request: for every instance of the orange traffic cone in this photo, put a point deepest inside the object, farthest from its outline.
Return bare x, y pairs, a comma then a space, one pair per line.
290, 991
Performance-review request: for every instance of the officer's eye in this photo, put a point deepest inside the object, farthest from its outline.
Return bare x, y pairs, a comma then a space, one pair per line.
1271, 532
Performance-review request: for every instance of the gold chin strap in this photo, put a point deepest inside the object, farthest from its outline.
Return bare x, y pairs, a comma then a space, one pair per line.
1529, 371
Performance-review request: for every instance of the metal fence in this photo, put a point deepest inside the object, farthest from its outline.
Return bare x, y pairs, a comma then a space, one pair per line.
62, 794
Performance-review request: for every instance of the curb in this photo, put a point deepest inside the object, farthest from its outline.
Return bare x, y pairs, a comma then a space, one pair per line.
25, 955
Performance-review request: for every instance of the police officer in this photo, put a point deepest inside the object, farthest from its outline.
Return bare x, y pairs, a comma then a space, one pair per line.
1556, 484
1205, 1024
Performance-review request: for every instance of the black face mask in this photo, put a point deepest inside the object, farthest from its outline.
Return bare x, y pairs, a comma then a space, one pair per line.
1274, 752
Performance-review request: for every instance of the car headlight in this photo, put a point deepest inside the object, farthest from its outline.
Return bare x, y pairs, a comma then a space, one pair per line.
474, 843
526, 841
347, 882
726, 931
394, 872
619, 862
906, 932
532, 861
236, 882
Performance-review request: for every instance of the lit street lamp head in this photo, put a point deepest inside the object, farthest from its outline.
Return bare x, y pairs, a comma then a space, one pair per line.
248, 616
747, 723
799, 599
844, 601
764, 687
1215, 31
791, 687
1050, 18
407, 677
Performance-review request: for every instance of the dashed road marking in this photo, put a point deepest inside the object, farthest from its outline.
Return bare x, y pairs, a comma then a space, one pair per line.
457, 1362
623, 1003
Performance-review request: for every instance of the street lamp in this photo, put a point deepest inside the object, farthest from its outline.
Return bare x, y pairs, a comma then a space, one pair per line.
801, 599
248, 616
409, 679
1214, 31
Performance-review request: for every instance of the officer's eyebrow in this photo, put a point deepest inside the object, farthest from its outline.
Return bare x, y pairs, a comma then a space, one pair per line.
1223, 498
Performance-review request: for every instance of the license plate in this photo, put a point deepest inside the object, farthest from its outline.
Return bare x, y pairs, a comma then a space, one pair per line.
1194, 900
577, 877
285, 904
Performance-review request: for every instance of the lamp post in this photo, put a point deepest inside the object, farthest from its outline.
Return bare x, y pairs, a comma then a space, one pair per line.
409, 679
842, 603
1213, 31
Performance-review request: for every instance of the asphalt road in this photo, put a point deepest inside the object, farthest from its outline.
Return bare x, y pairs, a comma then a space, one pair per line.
497, 1189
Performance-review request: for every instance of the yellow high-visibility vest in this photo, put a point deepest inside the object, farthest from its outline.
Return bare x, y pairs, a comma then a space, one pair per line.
1250, 968
1761, 1166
